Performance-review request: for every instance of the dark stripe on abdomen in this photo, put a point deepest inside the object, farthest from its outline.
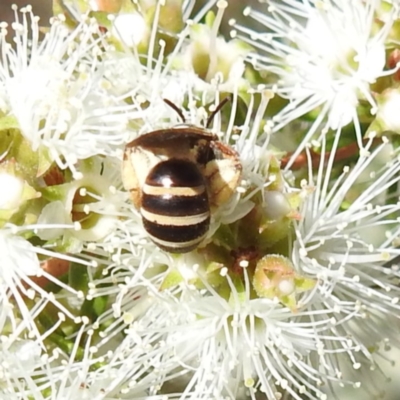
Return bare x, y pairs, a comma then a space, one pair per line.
180, 173
176, 206
177, 234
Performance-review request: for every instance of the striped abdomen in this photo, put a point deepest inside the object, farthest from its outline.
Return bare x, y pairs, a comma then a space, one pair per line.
175, 209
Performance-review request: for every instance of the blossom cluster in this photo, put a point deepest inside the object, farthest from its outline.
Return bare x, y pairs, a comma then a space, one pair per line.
293, 292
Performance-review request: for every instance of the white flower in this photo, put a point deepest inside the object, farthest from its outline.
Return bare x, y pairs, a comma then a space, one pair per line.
19, 261
210, 57
67, 376
20, 275
88, 205
325, 55
56, 91
209, 346
291, 292
346, 249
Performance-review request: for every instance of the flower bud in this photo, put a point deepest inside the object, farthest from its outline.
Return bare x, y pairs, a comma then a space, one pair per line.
388, 116
275, 277
15, 190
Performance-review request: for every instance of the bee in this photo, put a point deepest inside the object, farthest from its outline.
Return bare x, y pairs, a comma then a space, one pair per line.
177, 177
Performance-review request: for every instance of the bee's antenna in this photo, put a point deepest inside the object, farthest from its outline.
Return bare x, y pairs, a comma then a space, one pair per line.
217, 110
174, 107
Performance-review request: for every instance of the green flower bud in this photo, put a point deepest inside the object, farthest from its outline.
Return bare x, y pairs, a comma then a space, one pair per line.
170, 15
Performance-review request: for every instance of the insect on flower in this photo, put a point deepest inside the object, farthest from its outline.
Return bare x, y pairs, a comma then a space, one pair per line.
177, 177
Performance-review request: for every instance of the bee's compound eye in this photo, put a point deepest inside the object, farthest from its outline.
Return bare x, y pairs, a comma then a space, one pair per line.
175, 208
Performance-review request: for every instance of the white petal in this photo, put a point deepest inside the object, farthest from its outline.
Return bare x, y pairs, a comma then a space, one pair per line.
17, 253
52, 214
